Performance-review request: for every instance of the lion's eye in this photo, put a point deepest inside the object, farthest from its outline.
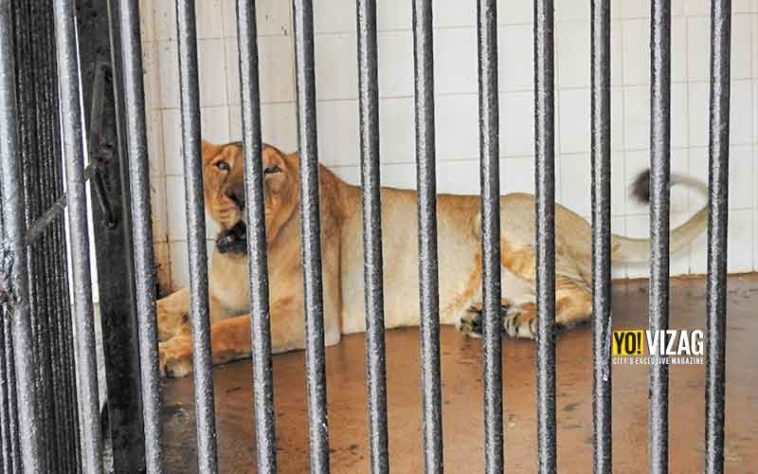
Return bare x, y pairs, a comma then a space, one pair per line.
223, 165
272, 170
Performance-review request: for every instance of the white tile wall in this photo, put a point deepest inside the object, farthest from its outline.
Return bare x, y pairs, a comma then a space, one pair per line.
457, 109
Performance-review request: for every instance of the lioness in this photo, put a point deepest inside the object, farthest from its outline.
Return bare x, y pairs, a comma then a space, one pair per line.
460, 270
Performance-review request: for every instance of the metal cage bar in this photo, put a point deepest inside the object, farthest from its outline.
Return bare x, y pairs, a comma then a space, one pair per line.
718, 214
263, 386
16, 290
490, 195
73, 146
602, 322
315, 357
423, 52
660, 148
205, 418
144, 258
545, 225
372, 235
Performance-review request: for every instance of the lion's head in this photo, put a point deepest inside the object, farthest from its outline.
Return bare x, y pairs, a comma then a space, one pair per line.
224, 183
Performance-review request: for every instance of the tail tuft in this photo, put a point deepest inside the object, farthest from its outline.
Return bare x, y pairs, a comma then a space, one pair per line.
638, 250
640, 187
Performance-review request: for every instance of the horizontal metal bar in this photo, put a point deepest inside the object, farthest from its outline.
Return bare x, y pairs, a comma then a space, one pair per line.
372, 235
315, 358
660, 148
545, 226
15, 290
263, 383
144, 259
490, 191
73, 147
718, 214
205, 420
602, 323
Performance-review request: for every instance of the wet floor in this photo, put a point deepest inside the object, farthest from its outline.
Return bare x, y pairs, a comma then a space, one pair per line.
462, 388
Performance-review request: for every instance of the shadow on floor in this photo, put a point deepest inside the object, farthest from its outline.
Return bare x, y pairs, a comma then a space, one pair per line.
462, 388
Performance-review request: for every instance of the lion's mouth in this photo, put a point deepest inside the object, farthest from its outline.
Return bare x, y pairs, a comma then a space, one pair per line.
233, 239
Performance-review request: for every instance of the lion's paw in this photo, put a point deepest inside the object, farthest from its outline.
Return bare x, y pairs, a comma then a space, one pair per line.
520, 321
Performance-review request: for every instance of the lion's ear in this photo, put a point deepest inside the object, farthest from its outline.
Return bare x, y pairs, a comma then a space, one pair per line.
272, 157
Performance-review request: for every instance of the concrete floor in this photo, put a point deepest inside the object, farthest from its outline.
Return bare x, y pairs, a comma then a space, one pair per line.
462, 411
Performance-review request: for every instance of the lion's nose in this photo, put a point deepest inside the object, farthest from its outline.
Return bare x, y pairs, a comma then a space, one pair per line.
239, 199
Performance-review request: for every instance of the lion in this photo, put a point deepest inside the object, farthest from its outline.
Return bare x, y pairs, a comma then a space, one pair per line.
460, 266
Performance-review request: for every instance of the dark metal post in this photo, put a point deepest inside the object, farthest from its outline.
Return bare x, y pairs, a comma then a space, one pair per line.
198, 259
15, 291
660, 147
545, 225
372, 235
601, 236
73, 147
263, 384
427, 235
144, 259
715, 343
490, 190
102, 88
315, 358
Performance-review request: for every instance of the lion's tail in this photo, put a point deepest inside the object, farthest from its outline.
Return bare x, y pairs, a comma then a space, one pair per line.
627, 249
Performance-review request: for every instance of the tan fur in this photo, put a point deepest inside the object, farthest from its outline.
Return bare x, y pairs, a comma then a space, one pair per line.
458, 220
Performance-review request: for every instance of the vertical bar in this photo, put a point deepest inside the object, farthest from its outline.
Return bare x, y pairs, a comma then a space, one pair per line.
718, 214
490, 189
25, 73
318, 439
73, 146
205, 420
49, 151
263, 384
660, 126
372, 236
11, 384
601, 236
6, 409
15, 284
427, 234
144, 259
61, 271
545, 225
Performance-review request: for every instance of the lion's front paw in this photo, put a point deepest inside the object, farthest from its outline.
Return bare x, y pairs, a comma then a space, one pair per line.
470, 323
175, 357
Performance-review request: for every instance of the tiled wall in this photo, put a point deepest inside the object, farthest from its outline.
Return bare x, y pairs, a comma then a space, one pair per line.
456, 105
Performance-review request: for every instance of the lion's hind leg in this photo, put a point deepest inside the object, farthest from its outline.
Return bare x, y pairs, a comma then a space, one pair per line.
517, 320
172, 314
573, 302
573, 306
470, 322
